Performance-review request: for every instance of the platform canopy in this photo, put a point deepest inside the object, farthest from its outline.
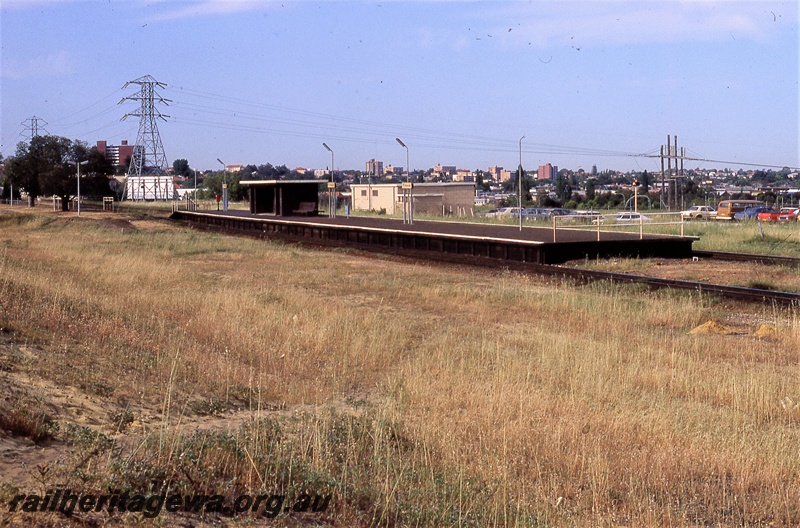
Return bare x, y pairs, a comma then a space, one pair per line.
283, 197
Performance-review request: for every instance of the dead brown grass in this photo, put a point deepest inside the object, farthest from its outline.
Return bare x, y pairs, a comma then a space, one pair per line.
418, 395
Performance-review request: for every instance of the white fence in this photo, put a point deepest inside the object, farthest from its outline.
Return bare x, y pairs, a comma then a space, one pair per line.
609, 223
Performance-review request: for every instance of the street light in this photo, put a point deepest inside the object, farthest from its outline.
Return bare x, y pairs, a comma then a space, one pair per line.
331, 187
78, 164
224, 186
408, 169
409, 217
519, 183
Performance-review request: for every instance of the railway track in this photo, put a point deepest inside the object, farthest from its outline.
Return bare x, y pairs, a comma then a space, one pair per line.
747, 257
731, 292
582, 275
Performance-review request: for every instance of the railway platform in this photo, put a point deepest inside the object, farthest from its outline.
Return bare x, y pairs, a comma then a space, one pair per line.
538, 245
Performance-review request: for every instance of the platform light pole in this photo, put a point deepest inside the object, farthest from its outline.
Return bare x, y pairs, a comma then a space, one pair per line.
224, 186
519, 183
78, 165
331, 187
409, 218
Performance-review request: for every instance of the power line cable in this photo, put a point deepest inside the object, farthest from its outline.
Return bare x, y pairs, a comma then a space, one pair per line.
383, 128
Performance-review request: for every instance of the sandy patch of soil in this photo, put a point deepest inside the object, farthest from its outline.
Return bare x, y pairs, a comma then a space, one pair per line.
24, 462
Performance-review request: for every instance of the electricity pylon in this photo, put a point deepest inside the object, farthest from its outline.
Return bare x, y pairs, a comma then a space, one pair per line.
148, 157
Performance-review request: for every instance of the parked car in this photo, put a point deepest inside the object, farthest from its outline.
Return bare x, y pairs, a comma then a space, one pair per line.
624, 218
534, 213
788, 214
558, 211
631, 217
751, 213
699, 212
768, 216
496, 213
582, 217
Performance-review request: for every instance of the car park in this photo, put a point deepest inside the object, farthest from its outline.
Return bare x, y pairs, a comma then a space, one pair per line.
699, 212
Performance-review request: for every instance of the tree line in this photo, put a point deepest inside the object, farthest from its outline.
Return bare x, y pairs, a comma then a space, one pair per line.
210, 183
46, 166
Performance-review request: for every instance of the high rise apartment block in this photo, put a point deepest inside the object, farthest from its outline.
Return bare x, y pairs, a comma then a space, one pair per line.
547, 172
374, 168
116, 154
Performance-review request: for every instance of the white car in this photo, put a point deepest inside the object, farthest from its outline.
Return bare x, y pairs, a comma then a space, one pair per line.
503, 212
631, 217
699, 212
494, 213
625, 218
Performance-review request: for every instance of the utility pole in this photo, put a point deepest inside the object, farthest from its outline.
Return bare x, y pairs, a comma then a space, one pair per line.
669, 171
677, 175
662, 177
683, 196
670, 152
519, 183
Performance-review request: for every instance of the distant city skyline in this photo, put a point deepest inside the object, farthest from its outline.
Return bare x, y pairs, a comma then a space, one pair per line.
587, 83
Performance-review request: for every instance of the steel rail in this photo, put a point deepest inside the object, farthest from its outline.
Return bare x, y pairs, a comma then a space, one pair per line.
654, 283
746, 257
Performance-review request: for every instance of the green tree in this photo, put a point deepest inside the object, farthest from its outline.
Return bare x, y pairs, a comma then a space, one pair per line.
563, 187
480, 184
46, 166
5, 178
181, 167
646, 181
212, 185
590, 189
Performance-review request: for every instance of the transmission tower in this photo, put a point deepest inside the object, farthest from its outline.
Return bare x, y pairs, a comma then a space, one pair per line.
33, 125
147, 177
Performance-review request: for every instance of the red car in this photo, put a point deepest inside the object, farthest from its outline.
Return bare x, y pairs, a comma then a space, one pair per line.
770, 215
788, 214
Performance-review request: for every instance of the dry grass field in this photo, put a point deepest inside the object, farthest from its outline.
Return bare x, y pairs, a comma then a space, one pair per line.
138, 354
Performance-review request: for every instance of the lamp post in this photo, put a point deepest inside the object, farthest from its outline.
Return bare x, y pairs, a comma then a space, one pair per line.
331, 187
194, 208
224, 186
407, 217
78, 165
519, 183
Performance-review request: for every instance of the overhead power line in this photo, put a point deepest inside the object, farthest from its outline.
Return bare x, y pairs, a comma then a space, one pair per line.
253, 113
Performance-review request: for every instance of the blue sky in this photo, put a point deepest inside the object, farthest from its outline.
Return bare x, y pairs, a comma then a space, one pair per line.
586, 83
